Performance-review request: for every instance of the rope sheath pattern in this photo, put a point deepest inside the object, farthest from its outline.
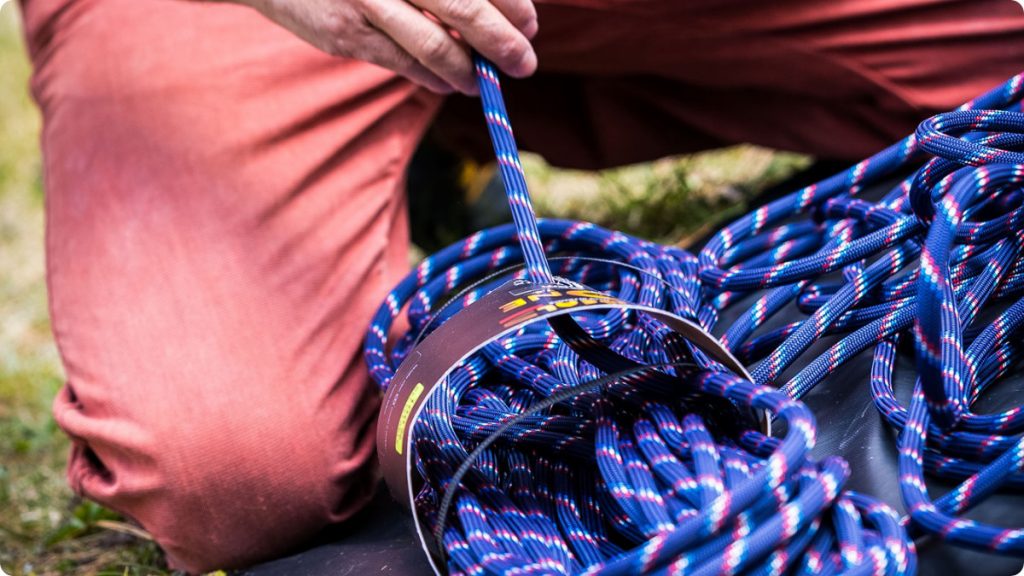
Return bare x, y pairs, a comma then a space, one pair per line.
648, 473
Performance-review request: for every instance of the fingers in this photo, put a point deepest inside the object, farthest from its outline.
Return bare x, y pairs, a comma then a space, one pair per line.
382, 51
521, 13
428, 42
499, 31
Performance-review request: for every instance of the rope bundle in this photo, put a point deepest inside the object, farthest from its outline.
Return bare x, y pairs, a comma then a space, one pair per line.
560, 454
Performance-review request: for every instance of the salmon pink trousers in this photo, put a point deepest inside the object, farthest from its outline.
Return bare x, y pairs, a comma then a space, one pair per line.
226, 208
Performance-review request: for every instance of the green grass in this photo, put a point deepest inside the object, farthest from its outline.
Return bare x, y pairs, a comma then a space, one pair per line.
43, 528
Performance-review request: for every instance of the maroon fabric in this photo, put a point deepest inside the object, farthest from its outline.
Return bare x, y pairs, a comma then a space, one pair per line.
624, 81
225, 209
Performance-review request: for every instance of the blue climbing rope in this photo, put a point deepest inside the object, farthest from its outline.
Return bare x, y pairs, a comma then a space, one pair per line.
537, 456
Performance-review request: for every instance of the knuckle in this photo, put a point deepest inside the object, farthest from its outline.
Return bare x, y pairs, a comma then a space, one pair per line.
380, 13
460, 11
509, 50
342, 34
435, 47
336, 23
523, 13
519, 12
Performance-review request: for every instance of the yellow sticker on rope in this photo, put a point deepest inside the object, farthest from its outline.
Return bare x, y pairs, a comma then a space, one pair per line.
403, 420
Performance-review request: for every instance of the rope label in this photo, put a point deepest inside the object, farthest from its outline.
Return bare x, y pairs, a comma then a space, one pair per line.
403, 420
540, 301
495, 315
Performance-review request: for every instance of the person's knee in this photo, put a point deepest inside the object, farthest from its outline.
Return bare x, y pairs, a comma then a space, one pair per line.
220, 489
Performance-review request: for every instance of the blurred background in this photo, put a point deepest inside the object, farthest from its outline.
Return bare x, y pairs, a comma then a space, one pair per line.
44, 529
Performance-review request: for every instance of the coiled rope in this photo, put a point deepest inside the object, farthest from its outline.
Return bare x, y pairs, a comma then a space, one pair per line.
555, 461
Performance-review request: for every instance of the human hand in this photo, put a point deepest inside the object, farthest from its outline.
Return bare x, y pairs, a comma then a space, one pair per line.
427, 41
